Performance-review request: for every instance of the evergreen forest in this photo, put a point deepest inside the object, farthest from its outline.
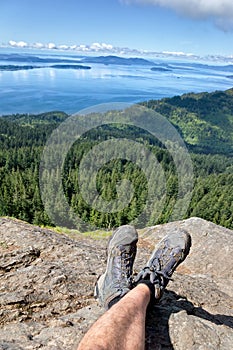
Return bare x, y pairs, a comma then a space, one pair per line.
205, 123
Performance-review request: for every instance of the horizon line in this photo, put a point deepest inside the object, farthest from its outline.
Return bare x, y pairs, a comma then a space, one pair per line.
110, 49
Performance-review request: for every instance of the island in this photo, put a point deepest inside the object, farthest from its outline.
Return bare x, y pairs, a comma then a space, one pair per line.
160, 69
117, 60
12, 67
69, 66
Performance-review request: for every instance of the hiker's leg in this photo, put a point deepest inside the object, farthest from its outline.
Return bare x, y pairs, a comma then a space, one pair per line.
122, 327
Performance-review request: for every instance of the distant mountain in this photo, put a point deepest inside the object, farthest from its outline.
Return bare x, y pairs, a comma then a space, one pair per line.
100, 59
35, 59
191, 65
117, 60
108, 60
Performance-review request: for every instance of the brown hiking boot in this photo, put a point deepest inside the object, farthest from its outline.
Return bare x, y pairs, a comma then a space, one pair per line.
170, 252
117, 279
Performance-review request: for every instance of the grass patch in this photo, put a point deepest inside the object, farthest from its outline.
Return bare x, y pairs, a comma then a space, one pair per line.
72, 233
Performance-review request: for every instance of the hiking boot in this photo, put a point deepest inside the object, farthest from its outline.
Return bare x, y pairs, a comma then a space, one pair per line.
169, 253
117, 279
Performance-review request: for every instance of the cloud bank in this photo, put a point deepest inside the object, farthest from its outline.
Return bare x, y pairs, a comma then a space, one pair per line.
95, 47
108, 49
101, 48
92, 48
220, 11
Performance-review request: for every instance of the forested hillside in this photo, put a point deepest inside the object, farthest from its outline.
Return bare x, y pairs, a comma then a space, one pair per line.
205, 122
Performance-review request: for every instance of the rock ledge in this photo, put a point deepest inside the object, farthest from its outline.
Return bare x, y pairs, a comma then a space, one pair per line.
47, 279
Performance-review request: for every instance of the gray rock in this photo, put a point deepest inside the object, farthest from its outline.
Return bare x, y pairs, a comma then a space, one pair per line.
47, 280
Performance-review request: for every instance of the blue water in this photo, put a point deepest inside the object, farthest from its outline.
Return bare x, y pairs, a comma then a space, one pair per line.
46, 89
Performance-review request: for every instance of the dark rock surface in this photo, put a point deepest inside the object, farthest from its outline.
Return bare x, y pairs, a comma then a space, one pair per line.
47, 280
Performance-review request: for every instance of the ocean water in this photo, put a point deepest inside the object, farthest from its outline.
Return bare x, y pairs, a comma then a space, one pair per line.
48, 89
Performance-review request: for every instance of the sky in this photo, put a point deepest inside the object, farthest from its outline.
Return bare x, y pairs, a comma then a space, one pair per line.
200, 27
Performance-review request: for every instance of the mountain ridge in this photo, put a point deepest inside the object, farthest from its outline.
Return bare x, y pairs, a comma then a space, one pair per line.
204, 120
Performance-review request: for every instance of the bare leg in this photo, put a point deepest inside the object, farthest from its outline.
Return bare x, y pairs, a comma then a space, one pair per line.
122, 327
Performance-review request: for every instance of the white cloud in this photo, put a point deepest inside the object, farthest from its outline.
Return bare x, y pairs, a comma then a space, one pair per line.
22, 44
220, 11
18, 43
73, 47
107, 46
51, 46
94, 47
38, 45
178, 53
82, 48
101, 48
63, 47
12, 43
109, 49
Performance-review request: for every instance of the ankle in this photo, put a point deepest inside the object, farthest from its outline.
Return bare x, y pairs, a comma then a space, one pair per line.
146, 284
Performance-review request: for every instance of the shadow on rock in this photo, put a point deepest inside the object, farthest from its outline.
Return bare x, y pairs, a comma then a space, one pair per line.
157, 322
